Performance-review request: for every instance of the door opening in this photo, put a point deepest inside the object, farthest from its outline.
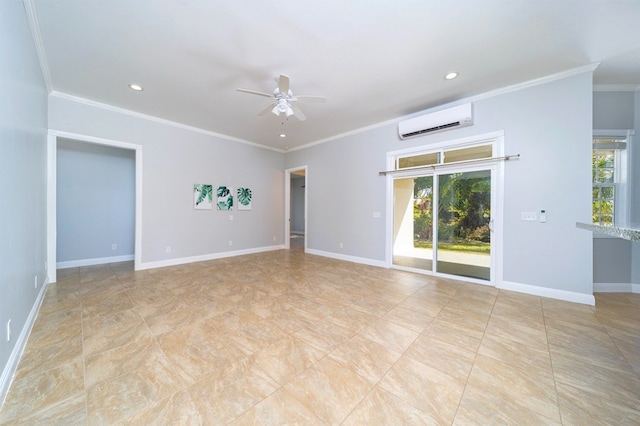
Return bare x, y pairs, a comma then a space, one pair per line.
296, 233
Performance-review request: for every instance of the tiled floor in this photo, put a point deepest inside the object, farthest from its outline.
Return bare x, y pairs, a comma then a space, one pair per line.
284, 337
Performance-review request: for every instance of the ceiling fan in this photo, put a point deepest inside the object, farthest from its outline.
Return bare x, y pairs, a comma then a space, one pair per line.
284, 100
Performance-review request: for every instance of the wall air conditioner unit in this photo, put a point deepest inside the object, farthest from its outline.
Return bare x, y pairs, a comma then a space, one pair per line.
450, 118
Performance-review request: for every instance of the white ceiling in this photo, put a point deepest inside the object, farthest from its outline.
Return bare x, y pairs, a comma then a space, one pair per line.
374, 60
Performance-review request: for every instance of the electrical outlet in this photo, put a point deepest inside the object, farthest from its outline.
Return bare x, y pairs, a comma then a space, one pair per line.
9, 331
35, 280
274, 238
341, 245
167, 249
114, 246
230, 217
230, 243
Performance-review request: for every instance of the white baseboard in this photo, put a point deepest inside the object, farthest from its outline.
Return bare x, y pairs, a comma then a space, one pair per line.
204, 257
552, 293
95, 261
14, 359
616, 288
354, 259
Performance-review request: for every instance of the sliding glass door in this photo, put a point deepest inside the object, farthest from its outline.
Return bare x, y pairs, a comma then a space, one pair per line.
464, 224
442, 221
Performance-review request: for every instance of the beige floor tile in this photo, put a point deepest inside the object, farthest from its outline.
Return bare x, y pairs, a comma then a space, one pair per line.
527, 334
424, 305
118, 398
279, 408
390, 335
112, 363
230, 391
621, 385
286, 358
324, 336
516, 354
105, 302
112, 330
50, 391
303, 339
57, 327
407, 318
380, 407
532, 388
451, 359
66, 411
581, 408
366, 357
479, 407
454, 334
425, 388
194, 352
176, 409
329, 390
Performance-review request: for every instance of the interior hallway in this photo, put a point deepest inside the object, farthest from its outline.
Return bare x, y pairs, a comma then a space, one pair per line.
285, 336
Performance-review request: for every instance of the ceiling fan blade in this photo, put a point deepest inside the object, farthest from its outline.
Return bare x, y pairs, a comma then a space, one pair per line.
297, 112
266, 109
253, 92
283, 84
305, 98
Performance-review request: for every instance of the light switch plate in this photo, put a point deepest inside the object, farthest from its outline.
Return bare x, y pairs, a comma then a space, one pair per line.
529, 216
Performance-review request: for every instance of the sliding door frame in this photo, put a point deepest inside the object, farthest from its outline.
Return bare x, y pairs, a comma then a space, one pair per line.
497, 197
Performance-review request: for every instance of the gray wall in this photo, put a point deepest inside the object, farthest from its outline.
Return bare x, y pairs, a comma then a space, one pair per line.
612, 257
297, 204
174, 159
95, 201
550, 125
23, 128
635, 215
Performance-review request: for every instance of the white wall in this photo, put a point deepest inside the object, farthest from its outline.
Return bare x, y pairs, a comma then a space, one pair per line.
23, 127
174, 159
548, 124
95, 202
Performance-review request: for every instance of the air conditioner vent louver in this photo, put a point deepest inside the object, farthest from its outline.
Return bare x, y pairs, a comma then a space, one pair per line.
458, 116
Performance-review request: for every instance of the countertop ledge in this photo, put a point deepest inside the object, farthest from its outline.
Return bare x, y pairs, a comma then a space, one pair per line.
614, 231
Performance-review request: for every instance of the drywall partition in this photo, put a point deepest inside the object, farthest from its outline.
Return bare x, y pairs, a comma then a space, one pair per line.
612, 257
548, 122
23, 130
175, 158
95, 203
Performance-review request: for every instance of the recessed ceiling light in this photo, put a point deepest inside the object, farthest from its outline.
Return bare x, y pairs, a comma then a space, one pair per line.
451, 75
282, 135
135, 87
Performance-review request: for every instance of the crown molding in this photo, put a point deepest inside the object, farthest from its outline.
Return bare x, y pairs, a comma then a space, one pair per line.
504, 90
616, 87
107, 107
37, 40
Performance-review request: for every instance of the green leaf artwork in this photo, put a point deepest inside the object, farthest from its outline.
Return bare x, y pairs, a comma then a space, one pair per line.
244, 199
225, 198
202, 196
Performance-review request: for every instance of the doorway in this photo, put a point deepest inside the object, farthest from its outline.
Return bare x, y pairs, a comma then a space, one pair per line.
444, 203
52, 142
296, 232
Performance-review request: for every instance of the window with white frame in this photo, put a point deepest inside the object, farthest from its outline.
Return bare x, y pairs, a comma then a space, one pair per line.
610, 172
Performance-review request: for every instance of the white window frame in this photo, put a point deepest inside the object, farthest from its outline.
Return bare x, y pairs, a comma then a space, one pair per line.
622, 173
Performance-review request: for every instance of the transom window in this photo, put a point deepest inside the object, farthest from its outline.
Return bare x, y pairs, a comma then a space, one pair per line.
444, 156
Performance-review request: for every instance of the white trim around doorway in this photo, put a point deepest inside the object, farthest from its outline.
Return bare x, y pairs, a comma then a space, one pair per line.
52, 139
